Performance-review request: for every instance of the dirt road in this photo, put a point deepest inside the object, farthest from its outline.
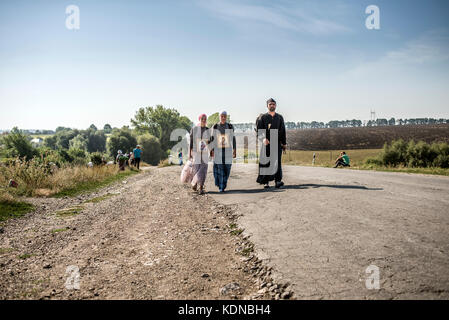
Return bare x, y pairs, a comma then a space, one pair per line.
328, 225
150, 237
147, 237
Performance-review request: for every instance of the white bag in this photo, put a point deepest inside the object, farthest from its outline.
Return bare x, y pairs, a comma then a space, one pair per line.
186, 174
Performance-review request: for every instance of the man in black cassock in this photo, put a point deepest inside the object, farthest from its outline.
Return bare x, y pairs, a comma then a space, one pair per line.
272, 136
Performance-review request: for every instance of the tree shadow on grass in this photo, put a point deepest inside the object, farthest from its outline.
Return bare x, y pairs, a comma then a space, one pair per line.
296, 187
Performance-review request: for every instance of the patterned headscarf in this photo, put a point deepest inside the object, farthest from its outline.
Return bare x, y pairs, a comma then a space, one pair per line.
199, 118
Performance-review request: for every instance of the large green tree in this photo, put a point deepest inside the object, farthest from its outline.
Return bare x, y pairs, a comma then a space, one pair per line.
79, 142
122, 139
160, 122
96, 140
63, 138
151, 147
17, 144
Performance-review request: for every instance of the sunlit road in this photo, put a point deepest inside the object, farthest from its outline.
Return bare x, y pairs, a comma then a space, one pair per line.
327, 226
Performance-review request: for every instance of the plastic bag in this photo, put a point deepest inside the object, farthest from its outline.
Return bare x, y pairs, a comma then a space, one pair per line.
186, 174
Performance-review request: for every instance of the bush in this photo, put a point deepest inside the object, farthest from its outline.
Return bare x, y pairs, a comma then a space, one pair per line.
374, 162
415, 155
48, 155
37, 178
441, 161
79, 156
17, 144
421, 155
29, 175
151, 147
97, 158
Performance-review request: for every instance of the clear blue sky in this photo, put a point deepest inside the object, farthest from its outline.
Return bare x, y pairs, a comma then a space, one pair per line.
316, 58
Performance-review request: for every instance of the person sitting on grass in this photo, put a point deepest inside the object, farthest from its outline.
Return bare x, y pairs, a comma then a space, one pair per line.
342, 160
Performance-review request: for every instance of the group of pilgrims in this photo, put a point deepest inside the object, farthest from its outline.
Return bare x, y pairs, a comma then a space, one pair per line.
218, 142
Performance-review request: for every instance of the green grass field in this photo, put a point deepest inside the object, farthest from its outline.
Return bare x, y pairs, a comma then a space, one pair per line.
357, 157
327, 158
323, 158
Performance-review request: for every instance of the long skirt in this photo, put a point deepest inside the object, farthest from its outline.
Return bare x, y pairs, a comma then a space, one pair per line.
277, 174
199, 174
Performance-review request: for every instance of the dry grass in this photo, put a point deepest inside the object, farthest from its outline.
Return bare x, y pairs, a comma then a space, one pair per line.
164, 163
37, 179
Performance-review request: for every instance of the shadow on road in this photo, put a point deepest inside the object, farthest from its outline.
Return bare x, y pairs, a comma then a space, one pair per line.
297, 187
337, 186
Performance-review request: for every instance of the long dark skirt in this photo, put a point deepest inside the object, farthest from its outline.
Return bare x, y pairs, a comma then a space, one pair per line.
277, 176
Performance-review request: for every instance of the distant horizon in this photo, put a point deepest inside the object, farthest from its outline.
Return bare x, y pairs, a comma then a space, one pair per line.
100, 127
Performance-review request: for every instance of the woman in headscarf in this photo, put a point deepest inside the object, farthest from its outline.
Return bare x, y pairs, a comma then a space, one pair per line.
199, 139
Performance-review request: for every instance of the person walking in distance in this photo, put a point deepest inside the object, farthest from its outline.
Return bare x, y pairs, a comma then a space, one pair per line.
199, 140
137, 155
223, 150
272, 135
180, 157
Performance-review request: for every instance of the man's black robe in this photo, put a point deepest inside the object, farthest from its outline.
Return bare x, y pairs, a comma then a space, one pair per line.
268, 122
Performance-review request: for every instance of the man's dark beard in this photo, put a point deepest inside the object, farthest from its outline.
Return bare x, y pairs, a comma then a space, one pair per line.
272, 109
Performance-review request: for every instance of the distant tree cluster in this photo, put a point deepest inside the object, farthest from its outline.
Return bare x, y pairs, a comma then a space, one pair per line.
351, 123
160, 122
152, 130
89, 140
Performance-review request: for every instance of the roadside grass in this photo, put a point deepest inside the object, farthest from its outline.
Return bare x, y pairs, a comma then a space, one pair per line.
67, 212
245, 252
92, 185
99, 199
327, 158
233, 229
6, 250
358, 161
431, 171
165, 163
236, 232
59, 230
35, 178
25, 256
14, 209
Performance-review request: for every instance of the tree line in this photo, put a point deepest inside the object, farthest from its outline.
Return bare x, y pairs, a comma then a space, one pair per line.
351, 123
150, 128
